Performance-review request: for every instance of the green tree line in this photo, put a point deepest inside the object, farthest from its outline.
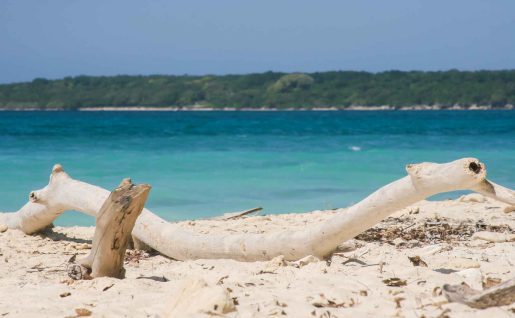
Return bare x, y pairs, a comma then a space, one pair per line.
270, 89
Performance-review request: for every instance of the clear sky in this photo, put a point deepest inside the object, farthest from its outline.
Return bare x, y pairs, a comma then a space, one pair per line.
58, 38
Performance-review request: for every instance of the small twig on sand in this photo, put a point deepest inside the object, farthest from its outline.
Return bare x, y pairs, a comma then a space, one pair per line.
237, 215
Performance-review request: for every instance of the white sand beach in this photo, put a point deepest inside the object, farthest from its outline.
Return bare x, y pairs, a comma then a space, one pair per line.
34, 280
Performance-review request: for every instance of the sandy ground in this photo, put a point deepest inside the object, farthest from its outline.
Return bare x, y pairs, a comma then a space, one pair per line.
34, 280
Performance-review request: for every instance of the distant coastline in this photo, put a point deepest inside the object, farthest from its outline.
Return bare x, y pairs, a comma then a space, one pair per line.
263, 109
269, 91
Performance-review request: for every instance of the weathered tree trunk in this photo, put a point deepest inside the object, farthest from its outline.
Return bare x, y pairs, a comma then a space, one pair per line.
114, 225
423, 180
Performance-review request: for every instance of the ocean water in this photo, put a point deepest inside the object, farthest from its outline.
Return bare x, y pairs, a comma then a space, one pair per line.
203, 164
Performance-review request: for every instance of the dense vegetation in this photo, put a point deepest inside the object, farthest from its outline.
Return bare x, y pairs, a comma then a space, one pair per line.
270, 89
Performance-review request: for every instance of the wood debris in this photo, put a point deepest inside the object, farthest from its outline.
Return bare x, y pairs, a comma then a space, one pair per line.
417, 261
499, 295
394, 282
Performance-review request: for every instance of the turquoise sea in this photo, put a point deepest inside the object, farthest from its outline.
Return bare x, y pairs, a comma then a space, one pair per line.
203, 164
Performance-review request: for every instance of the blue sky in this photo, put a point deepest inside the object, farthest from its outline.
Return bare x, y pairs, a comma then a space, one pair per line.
58, 38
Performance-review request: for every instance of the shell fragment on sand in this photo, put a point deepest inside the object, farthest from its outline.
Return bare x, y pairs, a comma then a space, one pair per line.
472, 277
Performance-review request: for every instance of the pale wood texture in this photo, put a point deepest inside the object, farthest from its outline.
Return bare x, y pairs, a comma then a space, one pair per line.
318, 239
113, 230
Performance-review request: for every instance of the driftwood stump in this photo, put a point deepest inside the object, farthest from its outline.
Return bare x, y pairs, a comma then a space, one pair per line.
113, 230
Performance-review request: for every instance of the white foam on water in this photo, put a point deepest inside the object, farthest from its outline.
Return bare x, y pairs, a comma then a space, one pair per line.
355, 148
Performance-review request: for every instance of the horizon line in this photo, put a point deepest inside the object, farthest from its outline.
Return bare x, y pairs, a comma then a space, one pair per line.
263, 72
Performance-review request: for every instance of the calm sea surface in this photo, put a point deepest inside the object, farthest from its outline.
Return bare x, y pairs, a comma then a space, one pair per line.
203, 164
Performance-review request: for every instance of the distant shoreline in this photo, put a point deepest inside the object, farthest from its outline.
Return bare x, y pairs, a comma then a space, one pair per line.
268, 91
264, 109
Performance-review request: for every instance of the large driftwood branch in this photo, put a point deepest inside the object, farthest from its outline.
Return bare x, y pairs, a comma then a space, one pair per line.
423, 180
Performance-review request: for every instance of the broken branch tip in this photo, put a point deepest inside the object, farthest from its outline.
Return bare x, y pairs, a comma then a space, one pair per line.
57, 168
125, 182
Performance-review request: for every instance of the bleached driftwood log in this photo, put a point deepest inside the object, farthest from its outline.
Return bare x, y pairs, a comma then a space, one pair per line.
423, 180
114, 225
